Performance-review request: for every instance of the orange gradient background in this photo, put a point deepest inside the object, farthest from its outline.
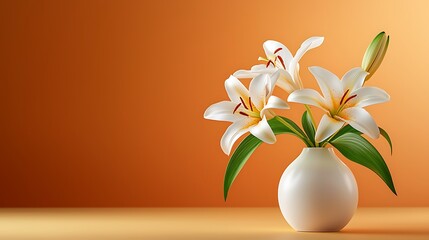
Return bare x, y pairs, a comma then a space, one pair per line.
102, 101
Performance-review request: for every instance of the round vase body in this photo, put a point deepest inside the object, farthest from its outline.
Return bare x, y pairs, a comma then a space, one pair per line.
317, 192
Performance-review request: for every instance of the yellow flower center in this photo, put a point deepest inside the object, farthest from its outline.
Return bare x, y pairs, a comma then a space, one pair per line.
343, 101
249, 109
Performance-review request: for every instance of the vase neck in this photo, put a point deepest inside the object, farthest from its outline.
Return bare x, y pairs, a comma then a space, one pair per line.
318, 152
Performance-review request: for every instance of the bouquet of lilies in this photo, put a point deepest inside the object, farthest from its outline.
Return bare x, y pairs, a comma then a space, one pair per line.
342, 100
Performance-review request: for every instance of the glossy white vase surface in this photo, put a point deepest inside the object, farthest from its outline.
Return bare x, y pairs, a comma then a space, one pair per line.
317, 192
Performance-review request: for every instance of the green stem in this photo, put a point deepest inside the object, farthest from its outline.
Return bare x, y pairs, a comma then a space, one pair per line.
306, 141
312, 120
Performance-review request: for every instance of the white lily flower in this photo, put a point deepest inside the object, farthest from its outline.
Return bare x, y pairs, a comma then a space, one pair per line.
247, 109
343, 101
278, 57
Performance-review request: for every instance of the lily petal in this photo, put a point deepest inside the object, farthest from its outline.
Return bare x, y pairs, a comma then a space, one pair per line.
286, 82
263, 68
274, 103
255, 71
273, 81
245, 74
308, 96
233, 132
263, 131
361, 120
327, 127
259, 89
236, 89
369, 96
353, 79
308, 44
222, 111
297, 77
328, 82
271, 46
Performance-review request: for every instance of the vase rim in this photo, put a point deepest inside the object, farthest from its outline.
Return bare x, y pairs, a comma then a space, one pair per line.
317, 148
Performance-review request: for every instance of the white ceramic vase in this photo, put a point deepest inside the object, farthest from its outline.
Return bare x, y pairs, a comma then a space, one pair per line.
317, 192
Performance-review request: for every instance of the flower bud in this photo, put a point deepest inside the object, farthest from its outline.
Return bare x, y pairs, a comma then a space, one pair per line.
375, 53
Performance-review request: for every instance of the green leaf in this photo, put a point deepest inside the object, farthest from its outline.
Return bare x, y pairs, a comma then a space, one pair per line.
248, 146
284, 123
386, 136
359, 150
308, 126
237, 161
278, 127
342, 131
350, 129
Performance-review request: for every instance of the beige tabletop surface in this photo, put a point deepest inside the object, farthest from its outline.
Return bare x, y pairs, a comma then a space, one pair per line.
201, 223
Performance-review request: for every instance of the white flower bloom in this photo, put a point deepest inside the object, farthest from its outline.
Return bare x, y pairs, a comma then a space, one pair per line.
278, 57
247, 109
343, 101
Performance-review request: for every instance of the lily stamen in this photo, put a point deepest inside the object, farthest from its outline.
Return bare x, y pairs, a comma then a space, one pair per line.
350, 98
250, 103
342, 98
278, 49
282, 62
274, 62
235, 109
244, 105
247, 112
344, 103
268, 63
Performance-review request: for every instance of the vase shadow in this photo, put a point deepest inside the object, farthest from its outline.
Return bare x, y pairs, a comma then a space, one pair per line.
345, 234
386, 231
